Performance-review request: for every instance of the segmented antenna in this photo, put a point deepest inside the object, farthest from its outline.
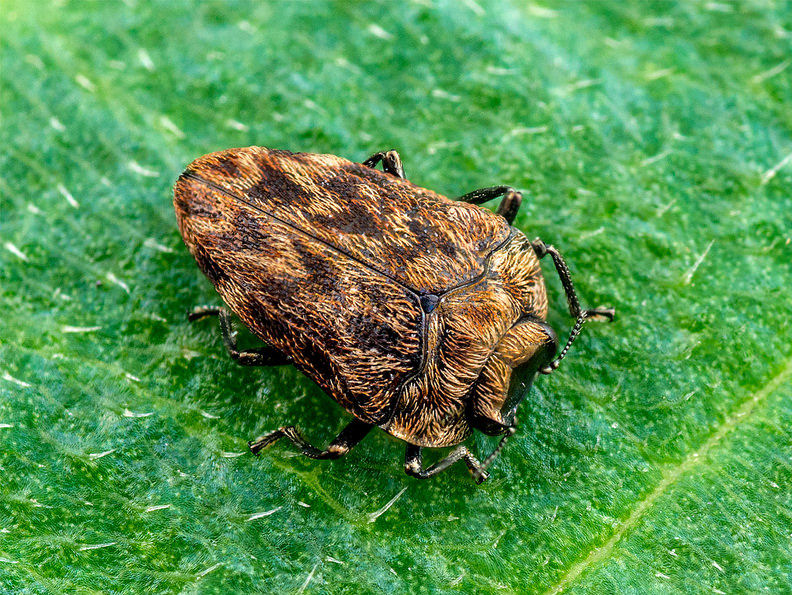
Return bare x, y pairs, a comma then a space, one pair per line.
581, 316
480, 472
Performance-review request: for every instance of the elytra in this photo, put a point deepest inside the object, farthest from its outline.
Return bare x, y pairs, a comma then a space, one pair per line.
420, 315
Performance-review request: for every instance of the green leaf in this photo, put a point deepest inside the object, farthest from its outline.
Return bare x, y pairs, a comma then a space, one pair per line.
654, 143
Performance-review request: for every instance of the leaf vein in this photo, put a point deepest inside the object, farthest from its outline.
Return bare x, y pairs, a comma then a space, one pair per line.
671, 476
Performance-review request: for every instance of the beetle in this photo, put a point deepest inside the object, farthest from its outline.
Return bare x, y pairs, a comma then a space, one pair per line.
420, 315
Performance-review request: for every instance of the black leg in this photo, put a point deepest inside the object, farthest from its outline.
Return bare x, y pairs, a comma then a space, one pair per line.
509, 206
202, 312
413, 460
413, 463
391, 162
349, 437
575, 310
264, 356
483, 195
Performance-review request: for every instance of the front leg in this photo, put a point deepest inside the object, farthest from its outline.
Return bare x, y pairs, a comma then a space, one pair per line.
349, 437
391, 163
263, 356
508, 207
413, 463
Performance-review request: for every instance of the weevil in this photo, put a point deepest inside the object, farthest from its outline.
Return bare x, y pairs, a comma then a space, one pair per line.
420, 315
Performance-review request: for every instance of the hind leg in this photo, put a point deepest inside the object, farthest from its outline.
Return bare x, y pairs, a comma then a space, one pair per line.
391, 163
264, 356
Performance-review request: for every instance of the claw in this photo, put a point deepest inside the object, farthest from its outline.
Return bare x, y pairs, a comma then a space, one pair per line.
599, 313
201, 312
262, 442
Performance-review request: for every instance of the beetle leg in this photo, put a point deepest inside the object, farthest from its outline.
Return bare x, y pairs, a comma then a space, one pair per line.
391, 162
413, 463
264, 356
483, 195
575, 310
349, 437
508, 207
202, 312
509, 432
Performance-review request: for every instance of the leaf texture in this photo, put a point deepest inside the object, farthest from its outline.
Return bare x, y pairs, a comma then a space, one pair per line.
653, 145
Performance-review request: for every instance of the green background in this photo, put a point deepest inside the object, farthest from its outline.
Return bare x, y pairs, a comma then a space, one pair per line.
654, 144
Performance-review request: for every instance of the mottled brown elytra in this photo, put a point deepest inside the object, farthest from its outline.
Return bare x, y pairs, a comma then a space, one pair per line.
418, 314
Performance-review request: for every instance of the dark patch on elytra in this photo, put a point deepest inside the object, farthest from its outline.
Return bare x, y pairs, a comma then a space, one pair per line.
368, 197
275, 188
249, 237
354, 218
357, 216
317, 265
225, 165
373, 334
210, 268
426, 235
200, 206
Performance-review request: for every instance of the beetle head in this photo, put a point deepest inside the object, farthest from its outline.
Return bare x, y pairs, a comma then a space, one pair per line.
520, 383
508, 381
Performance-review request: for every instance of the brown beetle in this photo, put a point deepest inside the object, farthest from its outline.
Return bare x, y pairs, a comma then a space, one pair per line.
418, 314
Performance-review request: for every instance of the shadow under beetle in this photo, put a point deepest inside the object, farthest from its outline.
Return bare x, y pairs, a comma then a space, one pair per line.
418, 314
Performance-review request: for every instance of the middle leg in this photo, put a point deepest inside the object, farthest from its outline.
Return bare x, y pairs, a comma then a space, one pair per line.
349, 437
508, 207
264, 356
